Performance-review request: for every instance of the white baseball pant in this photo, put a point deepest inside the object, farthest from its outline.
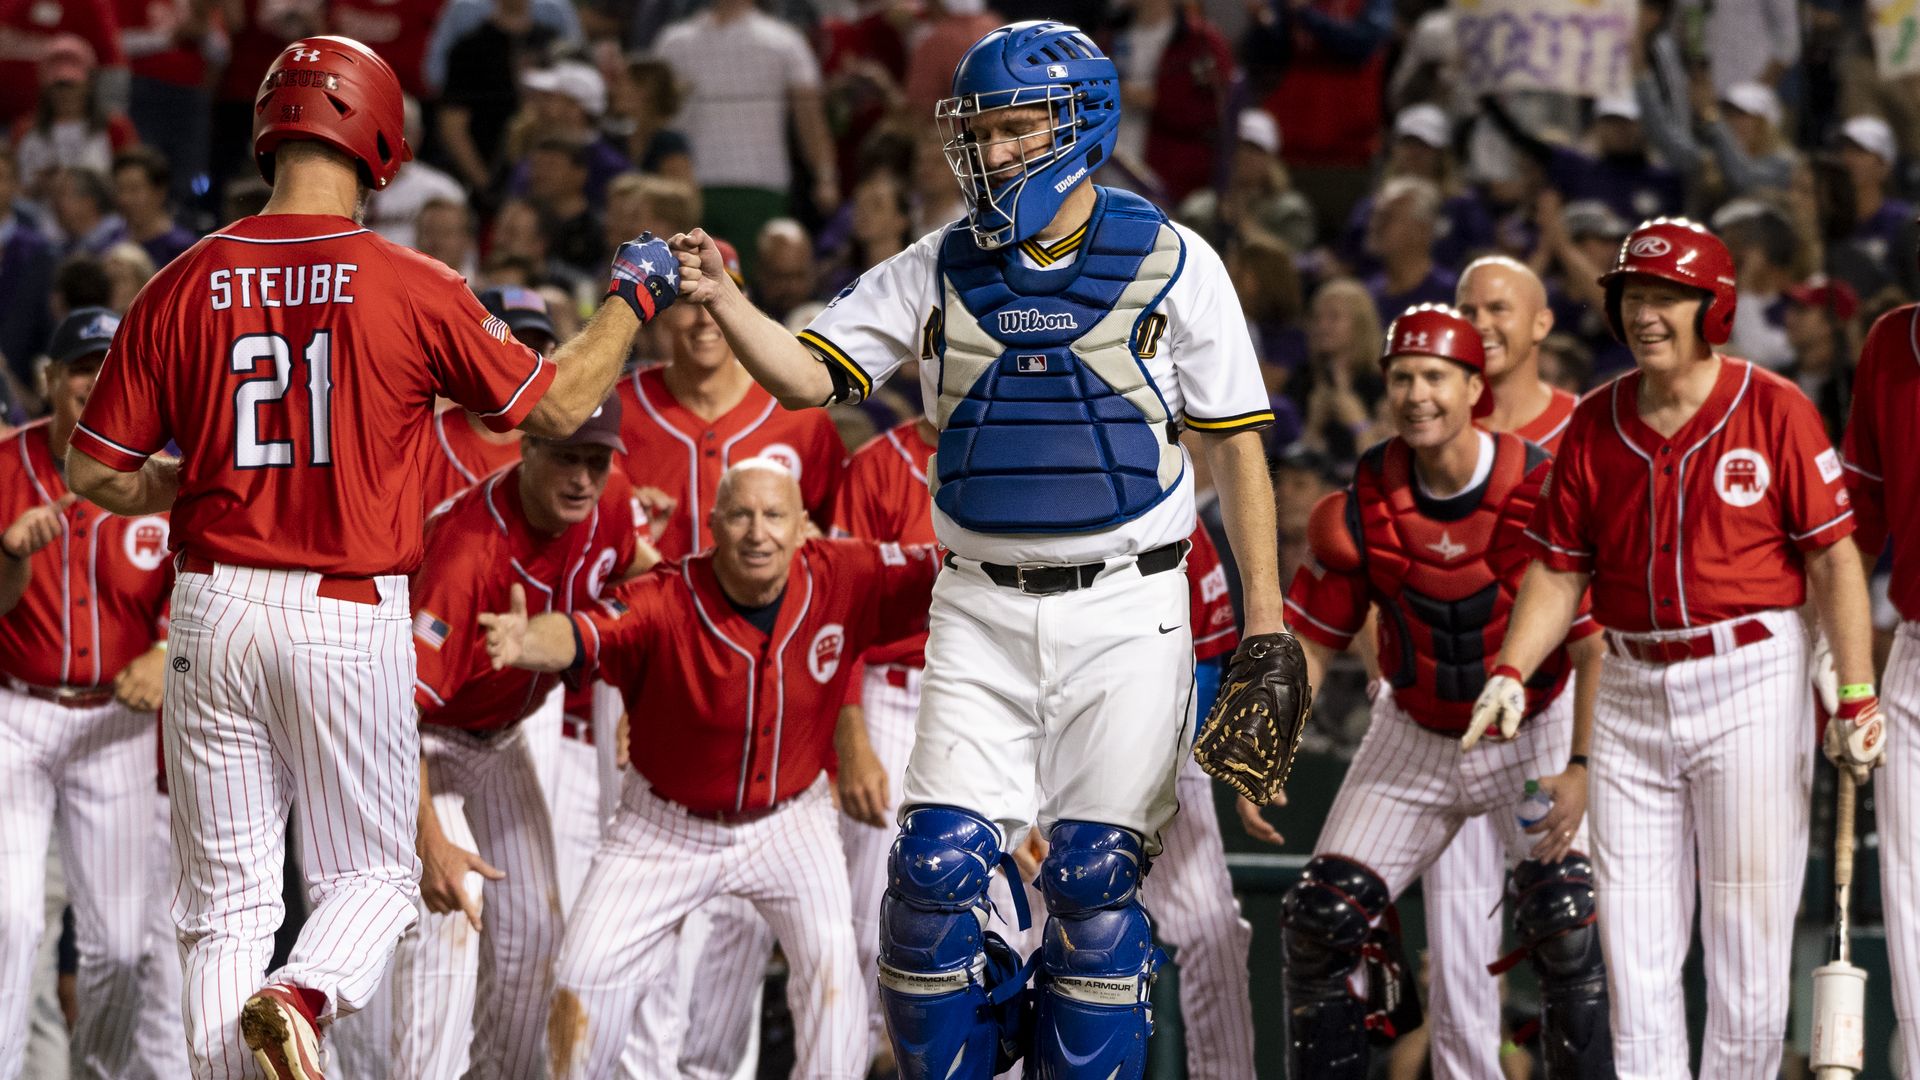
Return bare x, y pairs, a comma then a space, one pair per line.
890, 711
1462, 891
1897, 791
1409, 790
1699, 787
657, 865
278, 698
160, 1035
88, 772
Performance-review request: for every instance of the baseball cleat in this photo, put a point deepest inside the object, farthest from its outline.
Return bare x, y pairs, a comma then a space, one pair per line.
284, 1039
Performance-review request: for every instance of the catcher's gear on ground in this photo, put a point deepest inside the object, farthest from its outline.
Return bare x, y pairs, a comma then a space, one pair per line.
646, 275
1854, 739
1502, 704
1254, 730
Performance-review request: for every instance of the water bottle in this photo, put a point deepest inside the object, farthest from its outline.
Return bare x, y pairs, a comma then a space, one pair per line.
1534, 807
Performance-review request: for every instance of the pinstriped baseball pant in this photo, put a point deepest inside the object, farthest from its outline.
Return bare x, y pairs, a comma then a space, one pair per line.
1897, 791
1698, 792
95, 767
1463, 890
276, 699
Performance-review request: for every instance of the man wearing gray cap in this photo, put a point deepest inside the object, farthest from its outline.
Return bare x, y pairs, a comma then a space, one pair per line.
561, 525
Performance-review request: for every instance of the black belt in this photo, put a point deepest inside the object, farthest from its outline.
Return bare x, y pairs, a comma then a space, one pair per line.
1040, 579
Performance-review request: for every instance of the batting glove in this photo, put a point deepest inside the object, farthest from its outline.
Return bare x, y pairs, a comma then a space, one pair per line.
1826, 682
645, 275
1502, 704
1855, 739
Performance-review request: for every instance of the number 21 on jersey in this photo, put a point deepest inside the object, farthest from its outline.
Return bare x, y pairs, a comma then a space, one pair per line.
268, 360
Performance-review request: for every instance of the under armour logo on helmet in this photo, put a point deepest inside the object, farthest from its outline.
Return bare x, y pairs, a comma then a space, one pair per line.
1413, 340
306, 55
1651, 247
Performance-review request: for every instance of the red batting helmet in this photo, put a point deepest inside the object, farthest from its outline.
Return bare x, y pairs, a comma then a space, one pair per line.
1685, 253
1439, 330
336, 91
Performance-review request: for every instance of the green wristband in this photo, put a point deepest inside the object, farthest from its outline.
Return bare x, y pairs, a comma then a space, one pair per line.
1859, 691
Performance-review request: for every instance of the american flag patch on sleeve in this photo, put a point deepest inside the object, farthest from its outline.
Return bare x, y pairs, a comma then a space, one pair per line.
497, 327
430, 629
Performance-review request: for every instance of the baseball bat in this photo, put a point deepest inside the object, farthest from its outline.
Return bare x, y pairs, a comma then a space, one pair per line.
1839, 988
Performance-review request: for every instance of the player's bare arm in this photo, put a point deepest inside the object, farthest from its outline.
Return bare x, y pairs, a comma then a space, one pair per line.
1542, 614
1239, 464
770, 352
542, 643
1568, 788
150, 489
444, 864
585, 369
862, 783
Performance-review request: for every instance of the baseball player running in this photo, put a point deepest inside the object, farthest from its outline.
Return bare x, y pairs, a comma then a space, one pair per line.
1067, 332
82, 650
1507, 304
294, 357
1428, 536
1191, 894
747, 648
1883, 474
1699, 497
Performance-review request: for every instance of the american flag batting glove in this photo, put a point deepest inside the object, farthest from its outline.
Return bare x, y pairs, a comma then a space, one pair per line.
645, 275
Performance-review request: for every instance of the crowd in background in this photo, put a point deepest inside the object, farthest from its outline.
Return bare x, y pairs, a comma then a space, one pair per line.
1329, 148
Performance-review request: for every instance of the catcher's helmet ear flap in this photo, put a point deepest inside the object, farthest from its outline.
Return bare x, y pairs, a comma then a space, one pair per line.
1440, 330
336, 91
1039, 63
1685, 253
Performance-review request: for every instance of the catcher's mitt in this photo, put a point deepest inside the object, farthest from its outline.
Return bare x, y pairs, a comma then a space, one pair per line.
1254, 730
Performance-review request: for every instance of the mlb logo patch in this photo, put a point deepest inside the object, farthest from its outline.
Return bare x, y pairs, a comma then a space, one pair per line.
1056, 71
428, 628
1030, 363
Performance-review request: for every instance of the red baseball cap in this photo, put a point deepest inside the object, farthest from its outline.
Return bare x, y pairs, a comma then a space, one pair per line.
1821, 291
68, 59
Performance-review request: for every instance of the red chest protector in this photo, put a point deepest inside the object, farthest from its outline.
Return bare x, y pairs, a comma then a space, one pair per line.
1444, 573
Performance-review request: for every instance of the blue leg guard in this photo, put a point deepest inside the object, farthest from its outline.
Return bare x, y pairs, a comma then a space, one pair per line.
1096, 967
953, 992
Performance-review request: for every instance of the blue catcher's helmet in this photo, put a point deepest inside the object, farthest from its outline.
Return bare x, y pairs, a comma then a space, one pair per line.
1030, 63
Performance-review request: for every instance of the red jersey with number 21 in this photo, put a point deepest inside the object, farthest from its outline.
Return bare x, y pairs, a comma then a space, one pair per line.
295, 360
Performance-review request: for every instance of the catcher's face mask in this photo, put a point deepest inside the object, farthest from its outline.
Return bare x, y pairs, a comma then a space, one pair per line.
996, 143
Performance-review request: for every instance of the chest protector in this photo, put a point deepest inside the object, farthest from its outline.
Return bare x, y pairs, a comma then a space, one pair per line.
1444, 573
1049, 422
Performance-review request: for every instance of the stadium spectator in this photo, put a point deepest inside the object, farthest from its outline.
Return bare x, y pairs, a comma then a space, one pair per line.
1577, 245
637, 203
1878, 240
1338, 389
1762, 242
26, 278
1400, 235
1422, 147
31, 32
746, 75
1259, 195
71, 124
1320, 65
864, 62
140, 193
479, 51
523, 238
936, 198
1176, 69
566, 101
172, 46
789, 273
1268, 286
1823, 328
1740, 130
881, 227
948, 28
644, 105
557, 178
394, 211
256, 32
1614, 168
396, 29
1751, 41
128, 268
82, 204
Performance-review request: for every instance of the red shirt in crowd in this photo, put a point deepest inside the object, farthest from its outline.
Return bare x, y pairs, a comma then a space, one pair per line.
670, 448
476, 552
98, 597
30, 24
396, 29
884, 496
726, 718
1705, 525
1546, 430
147, 28
1883, 450
295, 360
460, 457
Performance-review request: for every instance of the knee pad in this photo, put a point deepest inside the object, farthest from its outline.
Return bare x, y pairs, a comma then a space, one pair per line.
1554, 917
952, 991
1328, 919
1098, 959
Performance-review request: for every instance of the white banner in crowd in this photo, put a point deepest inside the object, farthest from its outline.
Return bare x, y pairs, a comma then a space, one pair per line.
1572, 46
1896, 37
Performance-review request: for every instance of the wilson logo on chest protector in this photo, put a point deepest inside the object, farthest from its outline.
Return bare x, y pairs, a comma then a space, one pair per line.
1033, 320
